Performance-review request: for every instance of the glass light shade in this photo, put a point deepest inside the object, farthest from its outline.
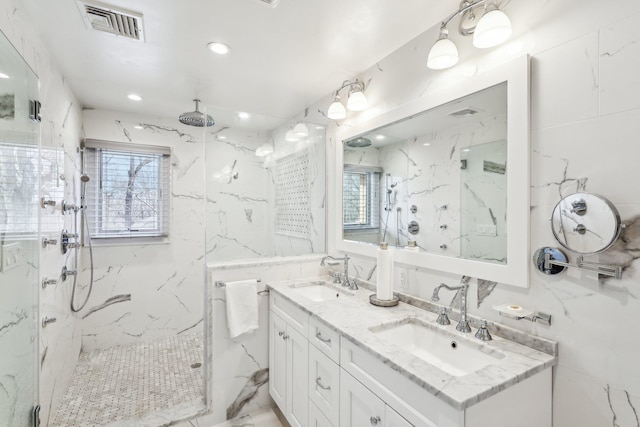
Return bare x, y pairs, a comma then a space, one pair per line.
443, 54
336, 110
357, 101
264, 150
290, 137
300, 130
493, 29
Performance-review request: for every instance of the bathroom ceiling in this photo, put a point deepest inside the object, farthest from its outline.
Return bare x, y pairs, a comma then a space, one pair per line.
282, 60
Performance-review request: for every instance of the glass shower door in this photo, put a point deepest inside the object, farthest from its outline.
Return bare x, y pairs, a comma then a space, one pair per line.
19, 205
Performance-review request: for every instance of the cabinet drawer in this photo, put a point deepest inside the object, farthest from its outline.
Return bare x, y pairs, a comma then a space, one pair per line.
295, 317
325, 339
417, 405
317, 418
324, 384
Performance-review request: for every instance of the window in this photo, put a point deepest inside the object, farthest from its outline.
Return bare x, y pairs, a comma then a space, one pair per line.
361, 193
128, 190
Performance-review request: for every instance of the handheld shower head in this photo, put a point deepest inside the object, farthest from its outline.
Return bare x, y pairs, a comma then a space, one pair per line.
84, 178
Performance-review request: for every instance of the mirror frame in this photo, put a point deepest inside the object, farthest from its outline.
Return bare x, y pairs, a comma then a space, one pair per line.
516, 271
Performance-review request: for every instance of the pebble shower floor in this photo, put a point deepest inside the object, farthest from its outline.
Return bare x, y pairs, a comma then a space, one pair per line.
133, 381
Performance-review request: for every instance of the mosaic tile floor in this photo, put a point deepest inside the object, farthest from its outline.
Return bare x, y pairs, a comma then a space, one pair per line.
132, 382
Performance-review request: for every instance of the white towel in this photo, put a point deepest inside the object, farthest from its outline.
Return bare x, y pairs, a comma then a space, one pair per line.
242, 306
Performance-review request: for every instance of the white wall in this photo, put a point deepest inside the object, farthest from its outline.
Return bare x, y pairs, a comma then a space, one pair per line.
585, 103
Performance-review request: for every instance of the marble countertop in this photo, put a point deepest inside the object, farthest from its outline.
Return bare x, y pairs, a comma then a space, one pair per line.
355, 318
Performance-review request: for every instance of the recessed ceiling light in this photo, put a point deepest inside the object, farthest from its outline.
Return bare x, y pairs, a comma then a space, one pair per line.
243, 115
4, 76
134, 97
466, 150
138, 127
219, 48
379, 137
426, 144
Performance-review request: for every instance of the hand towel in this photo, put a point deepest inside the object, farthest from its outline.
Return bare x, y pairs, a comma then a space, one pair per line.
242, 306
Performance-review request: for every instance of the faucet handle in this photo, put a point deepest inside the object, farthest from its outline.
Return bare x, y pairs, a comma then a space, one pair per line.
336, 278
483, 333
354, 284
443, 319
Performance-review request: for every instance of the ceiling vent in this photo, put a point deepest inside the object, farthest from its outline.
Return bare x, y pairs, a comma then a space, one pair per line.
272, 3
102, 17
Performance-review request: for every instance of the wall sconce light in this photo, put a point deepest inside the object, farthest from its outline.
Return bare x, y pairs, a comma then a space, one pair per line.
493, 28
297, 132
355, 102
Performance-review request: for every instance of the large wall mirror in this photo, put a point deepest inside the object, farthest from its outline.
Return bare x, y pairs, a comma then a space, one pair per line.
450, 173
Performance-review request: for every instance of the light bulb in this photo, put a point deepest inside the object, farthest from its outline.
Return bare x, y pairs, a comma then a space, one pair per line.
300, 130
493, 28
444, 53
336, 110
357, 101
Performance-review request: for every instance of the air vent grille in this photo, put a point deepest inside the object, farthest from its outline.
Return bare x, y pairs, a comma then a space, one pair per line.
101, 17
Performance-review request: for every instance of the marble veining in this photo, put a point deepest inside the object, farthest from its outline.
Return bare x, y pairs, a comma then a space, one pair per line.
519, 362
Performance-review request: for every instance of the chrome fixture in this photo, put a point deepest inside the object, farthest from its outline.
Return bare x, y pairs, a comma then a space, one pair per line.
443, 319
355, 102
492, 29
66, 273
463, 324
46, 241
46, 282
352, 284
483, 333
66, 207
47, 320
65, 244
336, 278
554, 261
196, 118
44, 203
443, 247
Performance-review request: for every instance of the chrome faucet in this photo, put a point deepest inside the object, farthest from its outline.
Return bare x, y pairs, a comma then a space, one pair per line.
463, 324
352, 284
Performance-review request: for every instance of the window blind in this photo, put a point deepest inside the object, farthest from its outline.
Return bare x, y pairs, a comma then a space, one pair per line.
19, 202
361, 198
128, 194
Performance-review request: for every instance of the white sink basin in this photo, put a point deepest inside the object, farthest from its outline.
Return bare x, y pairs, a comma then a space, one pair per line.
318, 291
453, 354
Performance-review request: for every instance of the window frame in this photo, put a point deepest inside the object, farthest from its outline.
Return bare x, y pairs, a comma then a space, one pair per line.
93, 152
372, 175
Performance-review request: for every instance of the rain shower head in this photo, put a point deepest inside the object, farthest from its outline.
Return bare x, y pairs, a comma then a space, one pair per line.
358, 142
196, 118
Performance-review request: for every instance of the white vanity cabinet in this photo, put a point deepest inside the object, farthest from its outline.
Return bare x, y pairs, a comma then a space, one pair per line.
360, 407
289, 360
321, 378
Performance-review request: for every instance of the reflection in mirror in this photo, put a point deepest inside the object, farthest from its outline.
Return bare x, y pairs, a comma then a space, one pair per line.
585, 223
443, 169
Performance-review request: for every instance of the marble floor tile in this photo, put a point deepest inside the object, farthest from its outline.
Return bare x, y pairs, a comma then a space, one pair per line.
133, 382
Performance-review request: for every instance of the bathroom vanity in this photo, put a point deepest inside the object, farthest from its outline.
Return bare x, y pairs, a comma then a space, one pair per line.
336, 360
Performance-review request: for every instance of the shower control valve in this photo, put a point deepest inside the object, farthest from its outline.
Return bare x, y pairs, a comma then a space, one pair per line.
66, 273
46, 282
46, 241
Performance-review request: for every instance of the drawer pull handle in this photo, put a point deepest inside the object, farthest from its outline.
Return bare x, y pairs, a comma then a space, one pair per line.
374, 420
321, 338
322, 386
281, 333
285, 337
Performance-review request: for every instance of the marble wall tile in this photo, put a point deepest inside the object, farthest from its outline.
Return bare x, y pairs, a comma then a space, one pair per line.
147, 291
565, 83
619, 57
